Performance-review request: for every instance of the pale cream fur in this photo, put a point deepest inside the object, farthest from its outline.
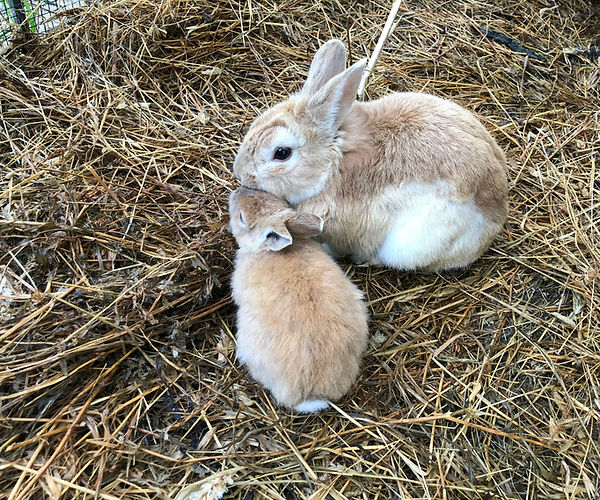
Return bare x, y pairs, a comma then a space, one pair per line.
385, 161
302, 325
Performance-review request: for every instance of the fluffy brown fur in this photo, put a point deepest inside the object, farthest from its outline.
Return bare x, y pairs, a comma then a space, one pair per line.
302, 325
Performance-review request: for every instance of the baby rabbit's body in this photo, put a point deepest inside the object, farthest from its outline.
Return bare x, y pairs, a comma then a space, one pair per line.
411, 181
302, 325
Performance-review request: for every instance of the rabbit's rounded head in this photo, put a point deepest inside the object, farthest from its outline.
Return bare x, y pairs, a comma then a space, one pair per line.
292, 149
261, 221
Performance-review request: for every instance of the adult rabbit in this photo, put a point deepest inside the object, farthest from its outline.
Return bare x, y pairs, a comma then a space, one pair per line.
410, 181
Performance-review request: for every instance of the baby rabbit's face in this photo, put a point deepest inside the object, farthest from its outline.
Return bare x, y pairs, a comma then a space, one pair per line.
257, 220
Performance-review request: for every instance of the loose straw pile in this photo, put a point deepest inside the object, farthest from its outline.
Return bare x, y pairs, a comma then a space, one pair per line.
118, 377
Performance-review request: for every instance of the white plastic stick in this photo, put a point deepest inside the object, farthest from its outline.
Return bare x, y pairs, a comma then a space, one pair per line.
387, 29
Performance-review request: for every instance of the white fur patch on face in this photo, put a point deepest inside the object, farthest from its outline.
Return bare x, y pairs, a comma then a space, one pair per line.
282, 137
307, 193
281, 177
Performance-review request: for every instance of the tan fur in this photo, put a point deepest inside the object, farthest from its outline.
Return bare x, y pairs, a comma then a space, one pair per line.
465, 155
302, 325
380, 145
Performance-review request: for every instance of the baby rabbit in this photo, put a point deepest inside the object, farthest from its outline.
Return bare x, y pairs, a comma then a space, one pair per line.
301, 324
410, 181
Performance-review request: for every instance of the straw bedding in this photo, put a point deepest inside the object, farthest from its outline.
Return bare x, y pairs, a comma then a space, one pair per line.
117, 365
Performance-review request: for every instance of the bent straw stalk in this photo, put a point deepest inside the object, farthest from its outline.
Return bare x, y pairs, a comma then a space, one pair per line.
387, 30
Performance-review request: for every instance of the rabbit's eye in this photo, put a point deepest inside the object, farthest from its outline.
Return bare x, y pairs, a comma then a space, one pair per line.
282, 153
242, 219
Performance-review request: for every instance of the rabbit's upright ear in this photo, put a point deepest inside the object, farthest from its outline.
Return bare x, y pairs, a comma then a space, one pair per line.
305, 225
277, 237
330, 60
330, 104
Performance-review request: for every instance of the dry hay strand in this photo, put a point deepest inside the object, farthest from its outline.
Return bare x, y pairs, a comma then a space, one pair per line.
117, 371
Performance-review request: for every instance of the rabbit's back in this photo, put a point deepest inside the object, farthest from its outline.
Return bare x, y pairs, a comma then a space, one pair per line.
421, 138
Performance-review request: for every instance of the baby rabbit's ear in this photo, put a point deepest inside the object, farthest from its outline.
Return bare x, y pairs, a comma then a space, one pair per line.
330, 60
277, 238
330, 104
305, 225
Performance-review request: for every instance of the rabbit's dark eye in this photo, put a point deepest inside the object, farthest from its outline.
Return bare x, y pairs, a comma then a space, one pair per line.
242, 219
282, 153
273, 235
